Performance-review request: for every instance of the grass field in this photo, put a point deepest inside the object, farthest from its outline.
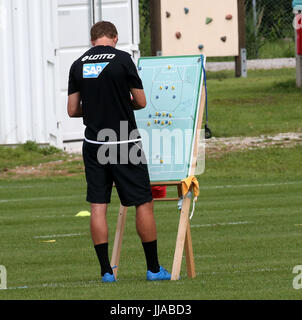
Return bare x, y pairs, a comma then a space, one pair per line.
266, 102
247, 227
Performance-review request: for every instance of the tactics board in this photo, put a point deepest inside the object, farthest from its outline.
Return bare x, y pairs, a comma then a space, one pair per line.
173, 87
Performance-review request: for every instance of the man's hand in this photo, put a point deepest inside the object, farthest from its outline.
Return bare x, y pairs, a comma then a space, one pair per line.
139, 99
74, 107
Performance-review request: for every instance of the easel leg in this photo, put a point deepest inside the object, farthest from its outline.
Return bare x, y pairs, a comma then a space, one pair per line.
181, 237
118, 239
187, 243
189, 253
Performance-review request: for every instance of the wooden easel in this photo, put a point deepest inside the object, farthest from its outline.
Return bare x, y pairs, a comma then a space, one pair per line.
184, 239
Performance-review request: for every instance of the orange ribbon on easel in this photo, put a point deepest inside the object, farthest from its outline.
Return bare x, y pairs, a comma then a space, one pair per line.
187, 183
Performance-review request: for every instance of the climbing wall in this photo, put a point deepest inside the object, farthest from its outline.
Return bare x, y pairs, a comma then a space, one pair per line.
199, 27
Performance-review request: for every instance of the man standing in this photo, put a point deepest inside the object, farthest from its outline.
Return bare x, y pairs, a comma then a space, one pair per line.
101, 83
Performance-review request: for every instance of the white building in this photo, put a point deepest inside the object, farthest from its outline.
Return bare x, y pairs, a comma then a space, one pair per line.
39, 40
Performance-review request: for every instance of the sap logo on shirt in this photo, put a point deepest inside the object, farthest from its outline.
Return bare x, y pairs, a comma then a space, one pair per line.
93, 70
99, 57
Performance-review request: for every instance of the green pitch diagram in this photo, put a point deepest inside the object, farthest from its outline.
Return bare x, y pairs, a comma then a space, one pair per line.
173, 87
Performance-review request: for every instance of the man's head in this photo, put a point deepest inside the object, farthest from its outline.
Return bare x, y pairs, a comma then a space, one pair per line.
104, 33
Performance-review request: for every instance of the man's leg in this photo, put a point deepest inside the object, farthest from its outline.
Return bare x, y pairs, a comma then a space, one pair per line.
145, 222
99, 234
146, 229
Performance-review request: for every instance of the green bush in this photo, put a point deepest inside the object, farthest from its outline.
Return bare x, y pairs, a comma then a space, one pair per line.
145, 32
31, 146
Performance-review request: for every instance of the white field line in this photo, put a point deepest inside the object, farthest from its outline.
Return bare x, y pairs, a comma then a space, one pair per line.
16, 187
39, 198
251, 185
220, 224
51, 236
54, 216
40, 217
240, 271
202, 188
78, 284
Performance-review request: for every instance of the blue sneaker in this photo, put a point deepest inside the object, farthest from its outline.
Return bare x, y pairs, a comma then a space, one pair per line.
107, 277
163, 274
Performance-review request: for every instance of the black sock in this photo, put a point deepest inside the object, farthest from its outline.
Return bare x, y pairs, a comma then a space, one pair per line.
150, 249
102, 253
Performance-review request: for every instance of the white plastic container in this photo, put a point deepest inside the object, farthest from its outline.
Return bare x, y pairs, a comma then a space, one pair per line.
39, 40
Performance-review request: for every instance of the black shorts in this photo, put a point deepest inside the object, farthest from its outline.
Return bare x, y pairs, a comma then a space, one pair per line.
131, 180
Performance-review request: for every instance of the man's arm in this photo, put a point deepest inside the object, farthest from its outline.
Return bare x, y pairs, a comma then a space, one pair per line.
139, 99
74, 107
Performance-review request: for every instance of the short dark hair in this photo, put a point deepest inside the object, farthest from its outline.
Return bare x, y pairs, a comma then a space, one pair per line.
103, 28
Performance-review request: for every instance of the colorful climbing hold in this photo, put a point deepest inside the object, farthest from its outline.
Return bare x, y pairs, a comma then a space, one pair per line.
209, 20
173, 87
229, 17
168, 14
186, 10
224, 38
201, 46
178, 35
